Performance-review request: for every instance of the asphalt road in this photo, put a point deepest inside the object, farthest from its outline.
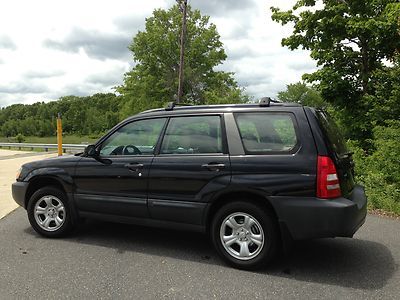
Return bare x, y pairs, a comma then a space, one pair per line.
109, 261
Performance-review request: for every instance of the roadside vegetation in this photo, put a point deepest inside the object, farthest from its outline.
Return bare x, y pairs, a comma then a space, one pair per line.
355, 44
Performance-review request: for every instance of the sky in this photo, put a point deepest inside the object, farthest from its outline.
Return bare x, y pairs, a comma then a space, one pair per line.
50, 49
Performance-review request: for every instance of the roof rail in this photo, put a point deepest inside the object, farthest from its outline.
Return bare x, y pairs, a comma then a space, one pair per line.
172, 104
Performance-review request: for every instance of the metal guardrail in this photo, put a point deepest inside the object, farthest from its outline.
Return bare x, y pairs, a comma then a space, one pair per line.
46, 147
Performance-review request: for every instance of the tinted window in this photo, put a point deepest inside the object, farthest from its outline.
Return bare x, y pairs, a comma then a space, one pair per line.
267, 132
332, 132
190, 135
136, 138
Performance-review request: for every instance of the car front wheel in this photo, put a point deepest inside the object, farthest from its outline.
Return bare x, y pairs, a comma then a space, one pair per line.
49, 213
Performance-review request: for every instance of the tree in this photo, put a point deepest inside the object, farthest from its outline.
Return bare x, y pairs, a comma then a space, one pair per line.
154, 79
301, 93
385, 104
350, 40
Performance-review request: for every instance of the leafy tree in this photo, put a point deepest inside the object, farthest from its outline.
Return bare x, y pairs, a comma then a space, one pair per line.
350, 40
385, 104
301, 93
154, 79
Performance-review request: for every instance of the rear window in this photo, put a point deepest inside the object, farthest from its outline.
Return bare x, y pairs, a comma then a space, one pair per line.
332, 132
267, 133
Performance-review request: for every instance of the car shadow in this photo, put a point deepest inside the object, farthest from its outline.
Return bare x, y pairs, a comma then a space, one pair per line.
345, 262
353, 263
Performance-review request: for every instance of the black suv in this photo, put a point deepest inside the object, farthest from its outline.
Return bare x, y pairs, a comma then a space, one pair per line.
252, 176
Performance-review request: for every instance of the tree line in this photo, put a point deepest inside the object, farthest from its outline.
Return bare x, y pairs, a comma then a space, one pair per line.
90, 115
151, 83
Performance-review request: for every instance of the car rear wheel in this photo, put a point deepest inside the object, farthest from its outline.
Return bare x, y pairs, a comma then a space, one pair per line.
49, 213
245, 235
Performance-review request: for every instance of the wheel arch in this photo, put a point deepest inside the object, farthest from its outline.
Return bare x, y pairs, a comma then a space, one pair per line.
255, 197
39, 182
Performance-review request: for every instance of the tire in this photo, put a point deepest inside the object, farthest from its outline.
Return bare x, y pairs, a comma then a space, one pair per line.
49, 212
245, 235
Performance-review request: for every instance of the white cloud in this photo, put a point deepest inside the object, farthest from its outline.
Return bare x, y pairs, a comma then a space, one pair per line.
56, 48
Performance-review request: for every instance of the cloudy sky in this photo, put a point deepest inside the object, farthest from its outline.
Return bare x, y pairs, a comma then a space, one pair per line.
50, 49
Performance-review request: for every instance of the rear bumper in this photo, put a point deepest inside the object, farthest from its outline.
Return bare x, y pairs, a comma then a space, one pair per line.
307, 218
19, 189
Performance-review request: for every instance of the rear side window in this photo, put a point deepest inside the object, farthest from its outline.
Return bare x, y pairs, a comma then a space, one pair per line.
193, 135
267, 133
332, 132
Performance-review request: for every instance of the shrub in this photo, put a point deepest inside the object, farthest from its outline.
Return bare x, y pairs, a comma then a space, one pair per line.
20, 138
379, 171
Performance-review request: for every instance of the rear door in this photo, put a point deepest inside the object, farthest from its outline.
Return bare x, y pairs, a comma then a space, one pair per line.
338, 150
191, 166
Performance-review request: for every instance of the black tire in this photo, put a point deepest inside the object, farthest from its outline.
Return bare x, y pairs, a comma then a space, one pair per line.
261, 255
38, 201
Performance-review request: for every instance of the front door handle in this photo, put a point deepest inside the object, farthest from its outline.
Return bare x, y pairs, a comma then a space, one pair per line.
213, 167
136, 167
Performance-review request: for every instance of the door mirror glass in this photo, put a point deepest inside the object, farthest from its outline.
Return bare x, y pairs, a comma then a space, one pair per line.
91, 151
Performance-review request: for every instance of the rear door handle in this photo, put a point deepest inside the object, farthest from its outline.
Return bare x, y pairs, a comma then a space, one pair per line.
213, 166
134, 166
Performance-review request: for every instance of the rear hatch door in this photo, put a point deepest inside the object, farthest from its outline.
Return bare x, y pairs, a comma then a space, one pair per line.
338, 151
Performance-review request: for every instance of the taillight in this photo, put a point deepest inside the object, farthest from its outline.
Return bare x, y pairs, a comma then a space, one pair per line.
327, 179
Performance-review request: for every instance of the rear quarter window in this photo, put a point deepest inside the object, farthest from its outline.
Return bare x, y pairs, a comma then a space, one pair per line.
332, 132
267, 133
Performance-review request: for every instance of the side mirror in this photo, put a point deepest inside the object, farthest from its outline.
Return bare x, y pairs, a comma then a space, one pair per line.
91, 151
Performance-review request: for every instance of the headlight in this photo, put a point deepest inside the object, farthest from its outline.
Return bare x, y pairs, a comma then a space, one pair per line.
18, 173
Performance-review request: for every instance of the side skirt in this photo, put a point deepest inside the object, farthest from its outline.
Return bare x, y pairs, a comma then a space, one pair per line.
143, 222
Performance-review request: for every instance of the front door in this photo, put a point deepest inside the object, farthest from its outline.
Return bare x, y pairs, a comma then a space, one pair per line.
116, 181
191, 166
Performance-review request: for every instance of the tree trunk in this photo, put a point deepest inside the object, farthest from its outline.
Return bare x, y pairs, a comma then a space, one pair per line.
365, 71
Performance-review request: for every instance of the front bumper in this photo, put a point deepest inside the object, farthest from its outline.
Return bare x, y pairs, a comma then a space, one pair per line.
307, 218
19, 189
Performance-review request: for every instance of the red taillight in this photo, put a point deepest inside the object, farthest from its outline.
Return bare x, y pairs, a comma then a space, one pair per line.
327, 179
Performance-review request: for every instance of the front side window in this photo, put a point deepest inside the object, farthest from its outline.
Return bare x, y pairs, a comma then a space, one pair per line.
135, 138
192, 135
264, 133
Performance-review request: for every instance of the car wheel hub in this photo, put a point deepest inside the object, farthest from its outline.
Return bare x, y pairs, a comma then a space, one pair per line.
242, 236
49, 213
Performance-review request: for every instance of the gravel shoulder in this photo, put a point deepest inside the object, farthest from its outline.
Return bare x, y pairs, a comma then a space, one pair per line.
10, 162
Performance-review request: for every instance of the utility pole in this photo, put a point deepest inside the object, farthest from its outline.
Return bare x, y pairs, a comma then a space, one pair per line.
183, 7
